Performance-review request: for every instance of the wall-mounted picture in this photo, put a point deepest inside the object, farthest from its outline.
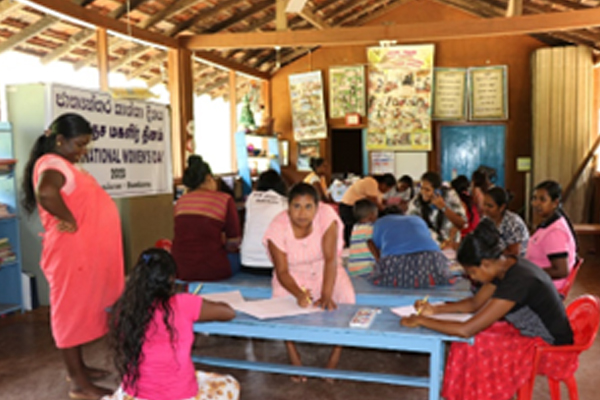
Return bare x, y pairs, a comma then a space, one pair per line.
488, 93
308, 108
449, 94
307, 150
346, 91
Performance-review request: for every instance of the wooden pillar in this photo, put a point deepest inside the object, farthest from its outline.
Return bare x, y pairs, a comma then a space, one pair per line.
266, 99
280, 15
233, 116
102, 52
181, 86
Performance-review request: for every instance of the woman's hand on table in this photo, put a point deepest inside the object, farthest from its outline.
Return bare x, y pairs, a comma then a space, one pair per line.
326, 303
412, 321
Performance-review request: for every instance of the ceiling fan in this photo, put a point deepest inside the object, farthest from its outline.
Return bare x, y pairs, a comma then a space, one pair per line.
295, 6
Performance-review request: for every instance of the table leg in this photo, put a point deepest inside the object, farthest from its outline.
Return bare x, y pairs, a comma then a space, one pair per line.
436, 365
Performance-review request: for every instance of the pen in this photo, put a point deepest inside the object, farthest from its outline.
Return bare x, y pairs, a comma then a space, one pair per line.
422, 301
197, 290
306, 293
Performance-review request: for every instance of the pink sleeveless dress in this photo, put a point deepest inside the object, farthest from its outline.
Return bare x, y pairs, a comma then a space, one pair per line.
84, 269
305, 256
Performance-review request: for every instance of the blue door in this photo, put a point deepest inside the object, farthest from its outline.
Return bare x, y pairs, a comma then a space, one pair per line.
466, 147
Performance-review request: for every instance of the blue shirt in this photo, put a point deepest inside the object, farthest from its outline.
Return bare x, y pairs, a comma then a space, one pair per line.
395, 235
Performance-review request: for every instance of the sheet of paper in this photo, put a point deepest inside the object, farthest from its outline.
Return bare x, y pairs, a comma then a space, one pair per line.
406, 311
231, 298
274, 308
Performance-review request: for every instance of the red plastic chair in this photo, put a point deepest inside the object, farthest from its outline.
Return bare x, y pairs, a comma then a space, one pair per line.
164, 244
584, 316
564, 291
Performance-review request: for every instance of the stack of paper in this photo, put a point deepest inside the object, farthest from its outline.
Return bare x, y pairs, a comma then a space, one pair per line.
262, 309
410, 310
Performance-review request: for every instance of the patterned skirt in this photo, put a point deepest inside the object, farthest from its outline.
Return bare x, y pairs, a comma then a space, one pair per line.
498, 364
210, 387
417, 270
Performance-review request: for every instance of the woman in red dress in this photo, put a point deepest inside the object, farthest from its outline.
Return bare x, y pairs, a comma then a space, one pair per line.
82, 254
206, 226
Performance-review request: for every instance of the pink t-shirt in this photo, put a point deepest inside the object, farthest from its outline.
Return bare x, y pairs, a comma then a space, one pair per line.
550, 240
166, 370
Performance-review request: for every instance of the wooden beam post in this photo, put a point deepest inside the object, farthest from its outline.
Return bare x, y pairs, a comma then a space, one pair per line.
266, 99
515, 7
102, 52
233, 116
280, 15
181, 88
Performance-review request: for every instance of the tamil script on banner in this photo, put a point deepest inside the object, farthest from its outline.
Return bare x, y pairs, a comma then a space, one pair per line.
130, 154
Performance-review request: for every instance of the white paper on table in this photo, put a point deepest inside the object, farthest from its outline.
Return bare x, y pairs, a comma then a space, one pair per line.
406, 311
274, 308
231, 298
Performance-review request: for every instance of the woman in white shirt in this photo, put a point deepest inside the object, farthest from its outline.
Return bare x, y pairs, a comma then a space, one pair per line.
317, 177
263, 204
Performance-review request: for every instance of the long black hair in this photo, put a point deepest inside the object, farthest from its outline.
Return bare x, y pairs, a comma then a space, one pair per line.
196, 172
555, 192
409, 181
461, 184
425, 207
316, 162
303, 189
483, 243
68, 125
271, 180
149, 288
500, 196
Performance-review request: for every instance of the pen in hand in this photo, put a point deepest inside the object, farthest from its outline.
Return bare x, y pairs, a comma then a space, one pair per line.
307, 295
423, 302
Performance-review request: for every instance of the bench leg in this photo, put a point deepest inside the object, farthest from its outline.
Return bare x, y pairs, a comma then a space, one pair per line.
436, 366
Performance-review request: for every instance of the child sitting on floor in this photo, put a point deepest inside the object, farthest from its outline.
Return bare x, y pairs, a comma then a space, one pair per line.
152, 336
361, 260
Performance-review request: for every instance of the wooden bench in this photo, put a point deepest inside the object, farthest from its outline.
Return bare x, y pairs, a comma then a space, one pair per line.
589, 230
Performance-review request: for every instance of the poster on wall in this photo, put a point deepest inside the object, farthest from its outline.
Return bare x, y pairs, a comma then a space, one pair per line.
383, 162
488, 93
400, 92
306, 151
308, 108
130, 152
346, 91
449, 98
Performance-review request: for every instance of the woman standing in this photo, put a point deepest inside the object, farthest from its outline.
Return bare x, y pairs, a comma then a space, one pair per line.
317, 177
513, 231
305, 244
206, 226
553, 245
82, 254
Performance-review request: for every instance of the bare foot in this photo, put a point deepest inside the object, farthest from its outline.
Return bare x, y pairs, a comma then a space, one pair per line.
299, 379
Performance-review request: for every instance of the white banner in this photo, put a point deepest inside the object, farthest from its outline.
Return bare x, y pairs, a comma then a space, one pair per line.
130, 154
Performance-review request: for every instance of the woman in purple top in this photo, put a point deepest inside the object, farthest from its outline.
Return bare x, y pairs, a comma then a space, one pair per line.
553, 246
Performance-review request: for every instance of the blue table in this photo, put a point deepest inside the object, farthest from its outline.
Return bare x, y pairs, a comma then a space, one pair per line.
259, 287
331, 328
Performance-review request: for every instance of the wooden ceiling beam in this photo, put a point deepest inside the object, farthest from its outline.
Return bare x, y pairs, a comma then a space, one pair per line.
281, 21
227, 63
211, 12
72, 10
405, 33
515, 7
154, 81
155, 61
8, 6
27, 33
168, 12
363, 11
241, 15
113, 41
129, 56
572, 5
314, 19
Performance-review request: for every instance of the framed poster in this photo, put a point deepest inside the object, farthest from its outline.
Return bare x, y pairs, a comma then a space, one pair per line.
306, 151
308, 109
383, 162
400, 93
449, 94
346, 91
488, 93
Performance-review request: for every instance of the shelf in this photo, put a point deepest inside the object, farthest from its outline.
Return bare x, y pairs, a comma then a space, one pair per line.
6, 308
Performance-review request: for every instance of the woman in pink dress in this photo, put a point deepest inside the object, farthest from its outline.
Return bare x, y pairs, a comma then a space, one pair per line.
553, 245
82, 255
305, 244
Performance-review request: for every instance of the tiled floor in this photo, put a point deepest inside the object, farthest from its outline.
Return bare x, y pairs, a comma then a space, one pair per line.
31, 368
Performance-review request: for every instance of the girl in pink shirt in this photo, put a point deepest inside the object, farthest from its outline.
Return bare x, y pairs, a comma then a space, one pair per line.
553, 245
152, 336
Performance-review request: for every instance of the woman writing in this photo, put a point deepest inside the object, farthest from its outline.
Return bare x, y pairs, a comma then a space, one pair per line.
152, 336
305, 244
552, 246
514, 235
440, 208
514, 290
82, 253
206, 226
317, 177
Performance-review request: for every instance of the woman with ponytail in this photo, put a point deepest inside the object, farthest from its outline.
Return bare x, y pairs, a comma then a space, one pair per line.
152, 336
553, 245
82, 254
516, 308
207, 227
